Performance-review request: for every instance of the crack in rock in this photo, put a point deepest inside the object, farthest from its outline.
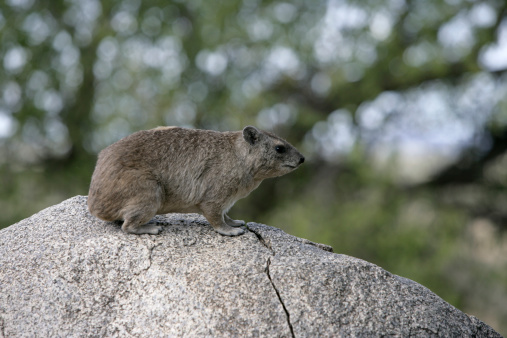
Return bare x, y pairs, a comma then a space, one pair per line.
150, 258
2, 328
150, 249
262, 240
268, 273
287, 314
301, 240
317, 245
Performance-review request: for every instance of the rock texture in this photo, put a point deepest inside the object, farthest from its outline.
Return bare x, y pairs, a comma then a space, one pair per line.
65, 273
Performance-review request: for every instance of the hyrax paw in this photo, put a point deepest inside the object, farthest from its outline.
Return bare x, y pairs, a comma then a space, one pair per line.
231, 231
150, 229
153, 229
236, 223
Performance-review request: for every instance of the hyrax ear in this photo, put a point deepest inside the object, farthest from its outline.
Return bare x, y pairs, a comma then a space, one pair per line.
251, 134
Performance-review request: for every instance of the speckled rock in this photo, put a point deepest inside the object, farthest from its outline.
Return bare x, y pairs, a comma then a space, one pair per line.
65, 273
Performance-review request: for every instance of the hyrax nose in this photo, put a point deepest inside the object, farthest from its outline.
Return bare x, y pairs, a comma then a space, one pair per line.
301, 160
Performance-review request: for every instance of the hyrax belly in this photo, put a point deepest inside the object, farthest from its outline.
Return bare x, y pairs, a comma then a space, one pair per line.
170, 169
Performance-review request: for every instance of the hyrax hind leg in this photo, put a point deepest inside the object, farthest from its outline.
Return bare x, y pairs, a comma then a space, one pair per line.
215, 216
139, 223
140, 210
232, 222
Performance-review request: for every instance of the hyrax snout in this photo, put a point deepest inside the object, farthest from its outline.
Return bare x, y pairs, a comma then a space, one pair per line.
171, 169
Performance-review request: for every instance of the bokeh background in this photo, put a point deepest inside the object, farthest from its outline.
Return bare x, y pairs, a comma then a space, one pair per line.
400, 107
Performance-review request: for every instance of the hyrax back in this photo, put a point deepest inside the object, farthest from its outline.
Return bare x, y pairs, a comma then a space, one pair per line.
171, 169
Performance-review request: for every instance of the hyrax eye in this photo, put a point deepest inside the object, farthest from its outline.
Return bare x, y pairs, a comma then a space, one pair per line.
280, 149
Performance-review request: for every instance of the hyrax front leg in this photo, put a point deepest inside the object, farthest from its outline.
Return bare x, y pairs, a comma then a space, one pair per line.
216, 219
232, 222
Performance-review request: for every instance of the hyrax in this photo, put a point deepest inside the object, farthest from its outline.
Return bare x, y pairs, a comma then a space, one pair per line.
171, 169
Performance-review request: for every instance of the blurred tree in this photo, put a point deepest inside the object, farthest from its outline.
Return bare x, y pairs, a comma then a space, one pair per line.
400, 106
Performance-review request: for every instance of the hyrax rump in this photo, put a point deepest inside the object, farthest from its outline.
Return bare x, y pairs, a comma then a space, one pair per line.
171, 169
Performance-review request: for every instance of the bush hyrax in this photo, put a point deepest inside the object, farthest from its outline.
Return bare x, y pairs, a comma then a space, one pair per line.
171, 169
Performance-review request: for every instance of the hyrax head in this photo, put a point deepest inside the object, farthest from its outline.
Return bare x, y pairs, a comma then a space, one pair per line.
273, 156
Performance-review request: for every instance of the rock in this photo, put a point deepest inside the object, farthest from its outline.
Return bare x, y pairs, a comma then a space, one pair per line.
65, 273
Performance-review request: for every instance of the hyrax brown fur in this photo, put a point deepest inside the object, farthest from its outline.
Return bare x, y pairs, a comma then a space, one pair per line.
171, 169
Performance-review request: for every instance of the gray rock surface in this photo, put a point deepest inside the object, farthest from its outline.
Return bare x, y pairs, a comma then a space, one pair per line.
65, 273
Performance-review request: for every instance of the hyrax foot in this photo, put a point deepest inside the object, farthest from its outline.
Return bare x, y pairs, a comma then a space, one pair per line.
148, 228
229, 231
217, 219
233, 223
